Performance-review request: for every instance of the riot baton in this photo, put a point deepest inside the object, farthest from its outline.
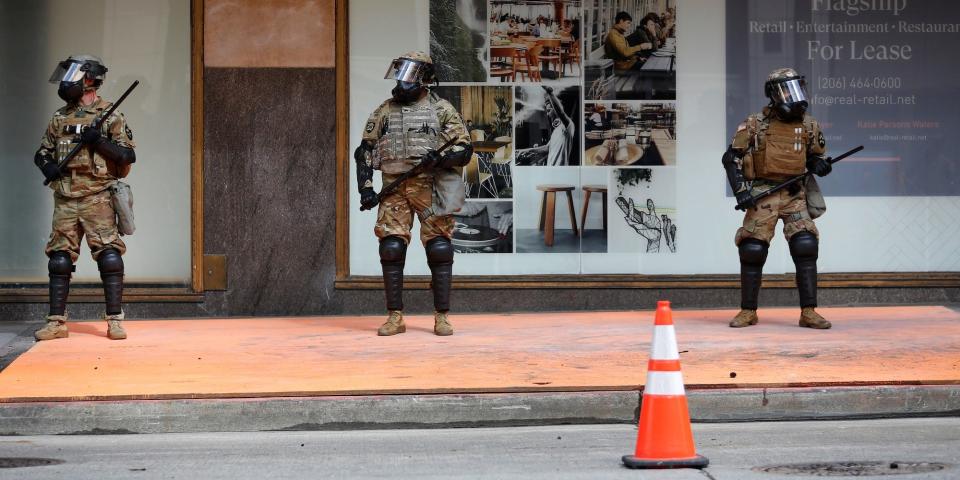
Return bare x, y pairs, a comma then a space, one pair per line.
796, 179
396, 183
96, 124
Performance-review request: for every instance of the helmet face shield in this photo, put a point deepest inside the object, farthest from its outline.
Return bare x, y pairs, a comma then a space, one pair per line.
405, 70
789, 91
68, 71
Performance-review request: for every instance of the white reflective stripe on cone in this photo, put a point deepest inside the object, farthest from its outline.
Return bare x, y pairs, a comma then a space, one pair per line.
664, 343
664, 383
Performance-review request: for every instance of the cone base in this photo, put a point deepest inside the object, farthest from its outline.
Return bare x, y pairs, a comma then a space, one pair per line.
699, 461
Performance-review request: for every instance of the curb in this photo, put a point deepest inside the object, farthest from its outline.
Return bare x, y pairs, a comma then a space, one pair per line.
468, 410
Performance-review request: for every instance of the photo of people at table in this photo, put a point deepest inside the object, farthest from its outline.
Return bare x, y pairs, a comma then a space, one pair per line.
630, 133
484, 226
458, 38
548, 126
487, 112
632, 50
535, 41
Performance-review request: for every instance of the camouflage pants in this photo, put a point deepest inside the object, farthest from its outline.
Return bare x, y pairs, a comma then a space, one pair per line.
761, 222
395, 215
91, 216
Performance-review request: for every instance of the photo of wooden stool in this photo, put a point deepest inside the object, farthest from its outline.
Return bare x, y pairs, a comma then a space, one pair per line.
548, 205
587, 190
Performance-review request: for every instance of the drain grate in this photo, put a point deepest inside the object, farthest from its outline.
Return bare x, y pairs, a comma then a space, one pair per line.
852, 469
14, 462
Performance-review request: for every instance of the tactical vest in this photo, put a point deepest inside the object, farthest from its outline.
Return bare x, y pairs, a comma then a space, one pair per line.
411, 130
88, 172
779, 148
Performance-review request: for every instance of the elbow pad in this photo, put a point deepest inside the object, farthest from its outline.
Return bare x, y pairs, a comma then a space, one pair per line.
364, 169
115, 153
734, 174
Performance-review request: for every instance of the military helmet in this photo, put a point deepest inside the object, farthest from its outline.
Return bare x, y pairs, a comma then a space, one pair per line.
418, 56
412, 67
79, 66
787, 91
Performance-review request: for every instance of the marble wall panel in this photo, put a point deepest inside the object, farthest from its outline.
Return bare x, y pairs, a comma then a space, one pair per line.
269, 175
269, 33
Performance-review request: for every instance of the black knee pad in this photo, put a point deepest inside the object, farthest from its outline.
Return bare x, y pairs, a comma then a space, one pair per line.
439, 251
753, 251
110, 262
393, 251
804, 246
60, 264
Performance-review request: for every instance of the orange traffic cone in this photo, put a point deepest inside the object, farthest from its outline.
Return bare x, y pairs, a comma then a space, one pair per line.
664, 438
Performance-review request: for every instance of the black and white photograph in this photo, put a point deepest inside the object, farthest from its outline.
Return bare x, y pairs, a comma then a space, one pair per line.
548, 207
643, 211
631, 50
458, 40
594, 213
535, 41
488, 114
630, 133
548, 126
484, 226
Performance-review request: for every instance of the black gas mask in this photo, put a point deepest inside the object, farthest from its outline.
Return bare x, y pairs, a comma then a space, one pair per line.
70, 92
407, 92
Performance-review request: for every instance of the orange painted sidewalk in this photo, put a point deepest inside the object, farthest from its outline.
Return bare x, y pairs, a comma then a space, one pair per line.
583, 351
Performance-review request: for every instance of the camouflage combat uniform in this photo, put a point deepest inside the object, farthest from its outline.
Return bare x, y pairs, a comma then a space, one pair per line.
82, 204
775, 151
399, 147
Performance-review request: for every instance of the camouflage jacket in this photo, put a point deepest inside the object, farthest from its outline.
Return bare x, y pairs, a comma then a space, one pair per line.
88, 172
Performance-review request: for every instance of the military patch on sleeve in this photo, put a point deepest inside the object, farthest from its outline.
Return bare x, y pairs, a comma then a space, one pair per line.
741, 127
820, 140
128, 132
369, 128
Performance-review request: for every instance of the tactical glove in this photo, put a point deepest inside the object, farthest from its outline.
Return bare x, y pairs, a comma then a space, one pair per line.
432, 159
91, 136
745, 200
367, 196
819, 166
50, 171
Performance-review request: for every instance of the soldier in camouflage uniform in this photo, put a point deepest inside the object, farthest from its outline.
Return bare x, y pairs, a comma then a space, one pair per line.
82, 202
403, 132
768, 148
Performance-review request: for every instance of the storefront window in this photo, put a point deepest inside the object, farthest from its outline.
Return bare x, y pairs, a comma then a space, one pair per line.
145, 40
599, 126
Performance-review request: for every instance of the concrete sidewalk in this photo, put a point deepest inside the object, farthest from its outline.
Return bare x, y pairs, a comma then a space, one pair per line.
546, 368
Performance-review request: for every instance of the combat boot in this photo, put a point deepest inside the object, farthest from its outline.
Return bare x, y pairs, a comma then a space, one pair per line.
745, 318
811, 319
393, 325
114, 330
56, 327
441, 326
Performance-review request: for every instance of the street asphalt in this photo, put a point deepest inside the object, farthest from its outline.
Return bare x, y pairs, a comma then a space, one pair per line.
735, 450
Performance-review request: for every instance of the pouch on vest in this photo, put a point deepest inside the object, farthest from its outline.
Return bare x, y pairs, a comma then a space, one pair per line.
746, 140
816, 205
121, 197
749, 171
784, 152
